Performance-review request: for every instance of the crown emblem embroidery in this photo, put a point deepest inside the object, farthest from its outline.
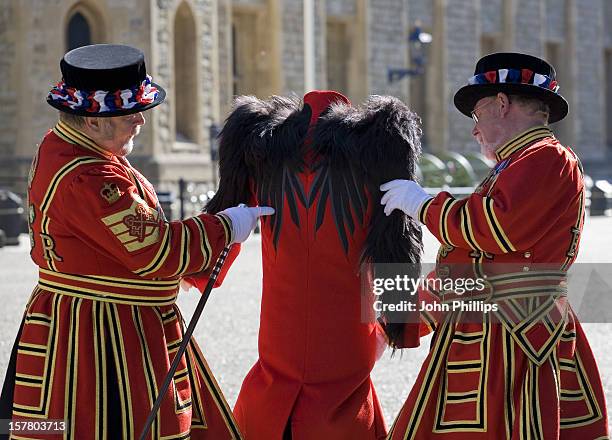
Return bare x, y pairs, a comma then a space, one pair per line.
111, 192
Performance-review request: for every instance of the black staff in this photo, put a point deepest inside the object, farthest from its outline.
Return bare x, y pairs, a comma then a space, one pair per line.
186, 338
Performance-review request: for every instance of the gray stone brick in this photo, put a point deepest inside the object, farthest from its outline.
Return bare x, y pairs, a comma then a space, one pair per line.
492, 17
589, 55
292, 58
607, 13
421, 10
387, 46
462, 46
340, 8
556, 27
528, 26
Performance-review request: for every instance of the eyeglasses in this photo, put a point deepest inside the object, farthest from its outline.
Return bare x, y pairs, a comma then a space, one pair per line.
473, 112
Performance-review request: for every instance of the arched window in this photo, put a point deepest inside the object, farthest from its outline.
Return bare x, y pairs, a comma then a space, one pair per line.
84, 25
79, 32
186, 60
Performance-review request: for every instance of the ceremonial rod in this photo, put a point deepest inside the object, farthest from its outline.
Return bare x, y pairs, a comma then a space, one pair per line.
185, 342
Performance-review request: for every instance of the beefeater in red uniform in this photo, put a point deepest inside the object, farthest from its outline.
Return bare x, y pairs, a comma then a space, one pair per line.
101, 327
319, 165
525, 370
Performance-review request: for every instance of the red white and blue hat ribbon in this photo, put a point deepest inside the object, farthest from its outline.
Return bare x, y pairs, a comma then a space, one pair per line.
515, 76
103, 101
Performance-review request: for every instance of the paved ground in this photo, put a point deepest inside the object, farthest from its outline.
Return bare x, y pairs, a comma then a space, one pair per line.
228, 331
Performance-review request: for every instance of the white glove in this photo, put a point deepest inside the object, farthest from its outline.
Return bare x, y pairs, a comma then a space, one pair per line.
405, 195
244, 220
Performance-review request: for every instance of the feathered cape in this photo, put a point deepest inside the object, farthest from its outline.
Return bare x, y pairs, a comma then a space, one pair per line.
265, 144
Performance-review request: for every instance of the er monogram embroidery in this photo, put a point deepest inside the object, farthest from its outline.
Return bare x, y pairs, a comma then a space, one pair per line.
138, 223
111, 192
135, 227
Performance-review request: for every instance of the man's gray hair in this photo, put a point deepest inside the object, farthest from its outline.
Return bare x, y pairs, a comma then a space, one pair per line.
74, 121
533, 105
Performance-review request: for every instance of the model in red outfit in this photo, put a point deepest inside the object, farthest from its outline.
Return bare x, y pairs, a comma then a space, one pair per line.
319, 165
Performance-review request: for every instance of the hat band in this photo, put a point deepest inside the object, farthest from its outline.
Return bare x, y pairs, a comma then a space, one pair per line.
515, 76
102, 101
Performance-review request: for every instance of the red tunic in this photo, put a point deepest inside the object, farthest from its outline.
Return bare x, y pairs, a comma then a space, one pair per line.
315, 353
525, 371
316, 348
102, 326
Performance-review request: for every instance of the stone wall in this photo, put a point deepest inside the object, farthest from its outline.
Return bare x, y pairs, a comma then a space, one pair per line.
492, 16
9, 87
589, 105
528, 26
224, 50
555, 20
421, 10
340, 8
576, 32
170, 159
461, 41
607, 16
387, 45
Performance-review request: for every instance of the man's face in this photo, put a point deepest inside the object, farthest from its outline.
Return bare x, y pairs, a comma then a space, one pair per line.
117, 133
488, 131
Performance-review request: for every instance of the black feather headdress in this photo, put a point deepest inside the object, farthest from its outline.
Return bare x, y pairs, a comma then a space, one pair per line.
264, 145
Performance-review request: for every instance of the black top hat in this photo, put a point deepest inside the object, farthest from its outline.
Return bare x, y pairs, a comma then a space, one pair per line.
514, 74
105, 80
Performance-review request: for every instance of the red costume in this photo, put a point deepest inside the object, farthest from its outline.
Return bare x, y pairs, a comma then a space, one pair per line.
320, 168
525, 371
101, 328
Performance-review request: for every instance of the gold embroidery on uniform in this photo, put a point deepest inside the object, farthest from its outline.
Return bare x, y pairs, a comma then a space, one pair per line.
204, 244
444, 250
111, 192
33, 168
123, 379
522, 140
495, 227
148, 367
31, 218
140, 224
574, 243
52, 188
422, 214
442, 224
41, 411
478, 395
48, 245
215, 391
160, 257
70, 386
593, 411
436, 364
575, 231
137, 223
100, 369
74, 136
185, 245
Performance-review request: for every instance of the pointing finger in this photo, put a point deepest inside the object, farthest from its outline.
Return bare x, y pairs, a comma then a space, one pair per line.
264, 210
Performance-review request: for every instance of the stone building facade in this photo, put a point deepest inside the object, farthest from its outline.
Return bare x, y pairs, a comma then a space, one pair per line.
206, 51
